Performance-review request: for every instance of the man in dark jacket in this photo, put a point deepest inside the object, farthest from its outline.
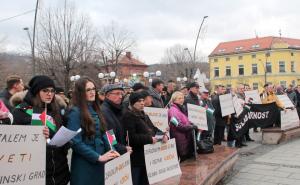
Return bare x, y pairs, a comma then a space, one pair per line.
14, 84
112, 112
220, 120
155, 91
192, 97
297, 91
170, 89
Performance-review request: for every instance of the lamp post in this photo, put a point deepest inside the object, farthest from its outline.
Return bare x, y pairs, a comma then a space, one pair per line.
149, 75
180, 80
32, 50
108, 76
266, 69
198, 37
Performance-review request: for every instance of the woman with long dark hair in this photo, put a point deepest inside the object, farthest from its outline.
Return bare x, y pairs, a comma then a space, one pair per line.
90, 148
41, 96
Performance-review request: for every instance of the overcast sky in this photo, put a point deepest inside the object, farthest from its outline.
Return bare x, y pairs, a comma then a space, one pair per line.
159, 24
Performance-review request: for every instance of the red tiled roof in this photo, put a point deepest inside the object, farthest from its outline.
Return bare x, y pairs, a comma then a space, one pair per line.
254, 44
125, 60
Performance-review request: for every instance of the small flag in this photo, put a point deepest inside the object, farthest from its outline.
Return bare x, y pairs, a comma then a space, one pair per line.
39, 119
174, 121
111, 137
210, 111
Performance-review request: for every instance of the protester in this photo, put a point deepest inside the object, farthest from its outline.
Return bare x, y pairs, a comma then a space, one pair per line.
180, 126
169, 91
155, 91
40, 97
60, 92
211, 120
90, 148
291, 94
297, 90
136, 87
269, 96
221, 121
192, 97
14, 84
184, 90
6, 118
141, 131
112, 111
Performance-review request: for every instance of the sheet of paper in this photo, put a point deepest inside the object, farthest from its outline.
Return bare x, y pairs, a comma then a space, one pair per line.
226, 104
62, 136
253, 96
285, 100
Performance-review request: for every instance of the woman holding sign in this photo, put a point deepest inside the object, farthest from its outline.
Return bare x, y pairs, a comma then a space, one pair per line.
39, 106
180, 127
90, 148
141, 131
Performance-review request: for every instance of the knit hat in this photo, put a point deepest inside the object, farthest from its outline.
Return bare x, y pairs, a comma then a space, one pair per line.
138, 86
135, 97
110, 87
193, 84
40, 82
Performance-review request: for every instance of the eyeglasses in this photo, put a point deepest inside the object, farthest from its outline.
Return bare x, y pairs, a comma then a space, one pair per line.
48, 91
90, 89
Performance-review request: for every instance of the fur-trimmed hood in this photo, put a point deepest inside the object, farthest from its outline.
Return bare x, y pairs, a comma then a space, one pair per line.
18, 98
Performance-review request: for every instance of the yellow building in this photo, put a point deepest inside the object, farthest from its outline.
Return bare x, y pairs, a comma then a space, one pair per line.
256, 61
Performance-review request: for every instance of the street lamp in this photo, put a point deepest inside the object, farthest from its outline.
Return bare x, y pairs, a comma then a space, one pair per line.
198, 37
107, 76
266, 69
158, 73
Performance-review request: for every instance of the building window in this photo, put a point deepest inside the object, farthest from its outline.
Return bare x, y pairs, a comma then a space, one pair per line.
269, 67
228, 71
216, 71
283, 84
253, 56
228, 86
293, 66
227, 59
294, 83
281, 66
215, 60
254, 69
241, 70
292, 54
240, 57
255, 86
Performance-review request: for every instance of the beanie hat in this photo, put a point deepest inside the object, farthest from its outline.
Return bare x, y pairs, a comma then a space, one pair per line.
138, 86
135, 97
40, 82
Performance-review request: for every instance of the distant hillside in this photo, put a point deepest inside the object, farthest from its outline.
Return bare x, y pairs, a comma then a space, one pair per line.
14, 64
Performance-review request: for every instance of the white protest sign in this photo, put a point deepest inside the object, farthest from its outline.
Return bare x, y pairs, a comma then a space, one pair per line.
161, 161
159, 117
226, 104
253, 96
22, 155
285, 100
289, 119
237, 105
118, 171
197, 115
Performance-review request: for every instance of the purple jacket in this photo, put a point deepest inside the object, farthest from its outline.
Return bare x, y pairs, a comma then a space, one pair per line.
183, 132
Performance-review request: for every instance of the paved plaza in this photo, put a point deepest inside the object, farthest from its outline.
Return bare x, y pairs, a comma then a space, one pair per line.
266, 164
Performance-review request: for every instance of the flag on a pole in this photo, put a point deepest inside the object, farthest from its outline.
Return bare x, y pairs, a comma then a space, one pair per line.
111, 138
174, 121
40, 119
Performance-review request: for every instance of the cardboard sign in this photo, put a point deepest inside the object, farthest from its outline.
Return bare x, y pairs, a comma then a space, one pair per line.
237, 106
252, 97
226, 104
289, 119
159, 117
285, 100
161, 161
22, 155
118, 171
197, 115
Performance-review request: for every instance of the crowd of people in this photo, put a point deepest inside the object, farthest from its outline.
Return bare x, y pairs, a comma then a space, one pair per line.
113, 107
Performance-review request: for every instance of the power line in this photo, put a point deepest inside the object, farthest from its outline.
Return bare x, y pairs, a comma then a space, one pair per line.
24, 13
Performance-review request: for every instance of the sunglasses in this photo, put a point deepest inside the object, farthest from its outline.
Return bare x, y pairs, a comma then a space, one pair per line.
48, 91
90, 89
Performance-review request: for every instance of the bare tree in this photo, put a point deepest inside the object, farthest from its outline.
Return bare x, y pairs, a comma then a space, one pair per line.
178, 62
65, 39
115, 40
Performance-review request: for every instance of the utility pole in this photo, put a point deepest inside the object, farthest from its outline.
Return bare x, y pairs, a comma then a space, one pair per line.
33, 38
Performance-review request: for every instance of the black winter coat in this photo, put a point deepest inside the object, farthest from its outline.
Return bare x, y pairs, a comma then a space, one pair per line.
220, 121
140, 130
57, 169
113, 115
191, 99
